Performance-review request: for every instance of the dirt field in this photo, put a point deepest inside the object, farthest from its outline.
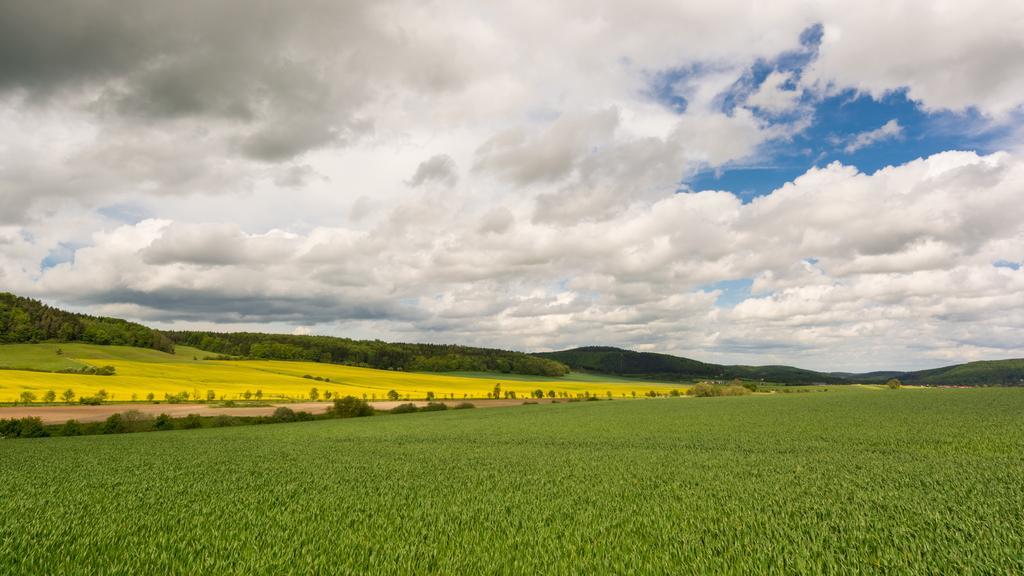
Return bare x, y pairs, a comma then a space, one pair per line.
61, 414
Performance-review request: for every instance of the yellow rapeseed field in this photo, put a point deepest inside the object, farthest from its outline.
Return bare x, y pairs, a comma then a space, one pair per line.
140, 372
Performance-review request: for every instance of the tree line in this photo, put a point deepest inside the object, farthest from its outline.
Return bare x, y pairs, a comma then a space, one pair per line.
24, 320
369, 353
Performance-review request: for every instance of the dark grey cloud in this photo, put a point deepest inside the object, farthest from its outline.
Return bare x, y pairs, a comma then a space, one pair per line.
182, 304
283, 78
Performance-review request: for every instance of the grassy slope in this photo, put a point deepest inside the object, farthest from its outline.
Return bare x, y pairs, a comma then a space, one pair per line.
141, 371
790, 483
37, 357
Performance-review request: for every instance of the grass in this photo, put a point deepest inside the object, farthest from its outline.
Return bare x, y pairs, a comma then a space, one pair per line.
142, 371
847, 482
37, 357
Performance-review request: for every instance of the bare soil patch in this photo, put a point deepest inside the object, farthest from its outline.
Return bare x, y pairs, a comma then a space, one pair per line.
61, 414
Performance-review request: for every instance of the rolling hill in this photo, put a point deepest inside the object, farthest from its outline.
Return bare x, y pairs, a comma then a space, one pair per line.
648, 365
196, 373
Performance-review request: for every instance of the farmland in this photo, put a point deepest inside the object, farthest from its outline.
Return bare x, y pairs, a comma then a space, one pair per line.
853, 480
141, 371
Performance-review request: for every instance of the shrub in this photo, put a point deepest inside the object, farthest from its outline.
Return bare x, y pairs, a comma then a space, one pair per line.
283, 414
351, 407
529, 402
705, 390
463, 406
9, 428
674, 393
434, 407
136, 421
702, 390
28, 427
303, 416
163, 422
192, 421
32, 427
90, 400
222, 420
750, 386
114, 425
405, 409
894, 384
71, 428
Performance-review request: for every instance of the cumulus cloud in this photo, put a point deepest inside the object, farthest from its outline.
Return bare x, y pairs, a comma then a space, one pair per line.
887, 131
439, 169
232, 163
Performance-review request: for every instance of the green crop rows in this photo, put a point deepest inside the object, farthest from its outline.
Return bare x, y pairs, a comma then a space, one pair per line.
849, 481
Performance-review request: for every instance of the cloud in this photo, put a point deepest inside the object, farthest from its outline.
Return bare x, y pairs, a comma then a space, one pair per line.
887, 131
341, 167
438, 169
904, 255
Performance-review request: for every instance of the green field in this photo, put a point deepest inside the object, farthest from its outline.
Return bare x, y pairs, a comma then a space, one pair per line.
850, 481
141, 371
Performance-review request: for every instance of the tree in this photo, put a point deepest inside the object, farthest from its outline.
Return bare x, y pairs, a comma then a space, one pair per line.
135, 421
497, 390
247, 395
328, 395
430, 396
393, 395
68, 395
32, 427
50, 396
192, 421
351, 407
284, 414
102, 394
259, 394
538, 393
150, 396
163, 422
211, 395
894, 383
551, 393
71, 428
114, 424
28, 397
314, 394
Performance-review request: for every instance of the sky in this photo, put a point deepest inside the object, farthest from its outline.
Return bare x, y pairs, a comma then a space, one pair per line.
764, 183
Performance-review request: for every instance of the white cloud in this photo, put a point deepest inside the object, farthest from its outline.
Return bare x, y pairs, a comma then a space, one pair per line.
887, 131
345, 169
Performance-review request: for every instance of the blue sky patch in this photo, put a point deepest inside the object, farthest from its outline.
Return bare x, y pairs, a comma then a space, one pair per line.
732, 292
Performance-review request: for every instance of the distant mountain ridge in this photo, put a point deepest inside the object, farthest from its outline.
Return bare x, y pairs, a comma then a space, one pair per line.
620, 362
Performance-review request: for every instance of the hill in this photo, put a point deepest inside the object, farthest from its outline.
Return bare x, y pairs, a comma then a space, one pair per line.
193, 373
648, 365
24, 320
370, 353
654, 366
981, 373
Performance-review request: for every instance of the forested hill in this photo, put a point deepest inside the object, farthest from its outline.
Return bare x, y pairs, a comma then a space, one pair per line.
621, 362
26, 320
370, 353
981, 373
